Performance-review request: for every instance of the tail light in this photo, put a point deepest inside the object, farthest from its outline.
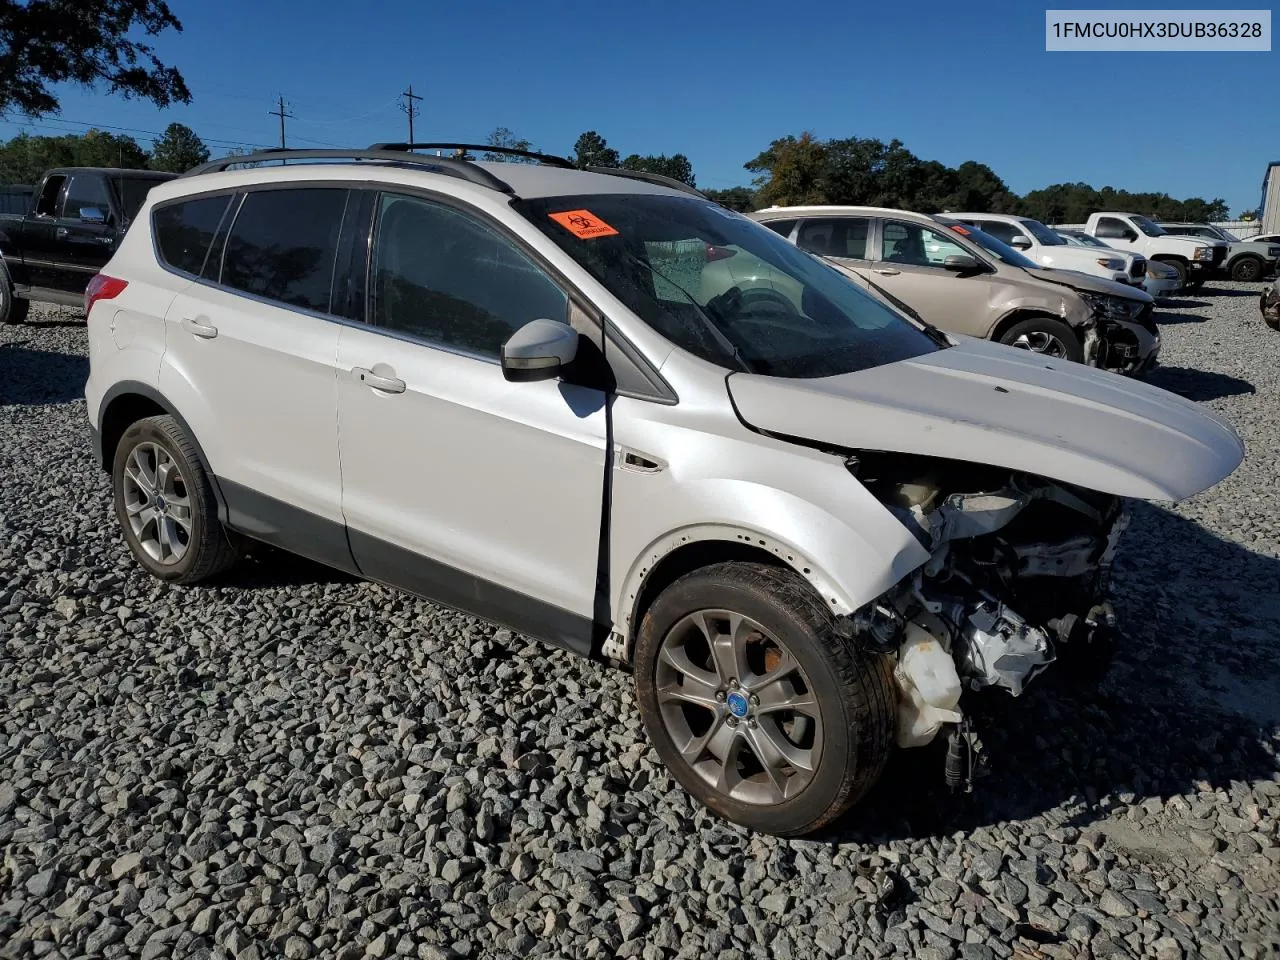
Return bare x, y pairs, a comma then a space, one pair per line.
719, 253
102, 287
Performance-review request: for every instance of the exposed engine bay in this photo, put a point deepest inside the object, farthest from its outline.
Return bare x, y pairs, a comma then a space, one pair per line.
1017, 576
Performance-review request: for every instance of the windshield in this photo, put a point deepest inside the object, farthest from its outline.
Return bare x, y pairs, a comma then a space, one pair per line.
1083, 239
133, 191
1149, 227
1042, 233
999, 248
726, 288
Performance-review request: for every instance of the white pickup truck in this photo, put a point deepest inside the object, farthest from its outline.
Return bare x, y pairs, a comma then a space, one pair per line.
1195, 258
1048, 249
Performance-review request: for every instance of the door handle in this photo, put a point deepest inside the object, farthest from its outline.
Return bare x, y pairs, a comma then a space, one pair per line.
887, 271
371, 379
197, 329
60, 233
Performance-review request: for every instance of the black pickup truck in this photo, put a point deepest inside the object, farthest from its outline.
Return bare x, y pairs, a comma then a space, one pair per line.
76, 220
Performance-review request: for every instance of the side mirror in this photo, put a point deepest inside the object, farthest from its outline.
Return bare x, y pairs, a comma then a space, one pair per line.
1130, 234
92, 215
1020, 242
539, 351
961, 262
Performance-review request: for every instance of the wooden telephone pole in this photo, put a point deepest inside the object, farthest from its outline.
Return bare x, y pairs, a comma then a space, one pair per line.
280, 112
410, 108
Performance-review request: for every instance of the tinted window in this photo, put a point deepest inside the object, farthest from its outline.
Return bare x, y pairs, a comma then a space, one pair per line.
724, 288
184, 231
440, 275
919, 246
1000, 230
283, 244
1042, 233
132, 192
47, 204
86, 190
782, 227
846, 237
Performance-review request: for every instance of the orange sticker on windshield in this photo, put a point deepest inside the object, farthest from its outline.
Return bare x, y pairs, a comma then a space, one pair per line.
583, 224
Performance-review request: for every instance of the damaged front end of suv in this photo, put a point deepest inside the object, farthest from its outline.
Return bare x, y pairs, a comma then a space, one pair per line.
1017, 578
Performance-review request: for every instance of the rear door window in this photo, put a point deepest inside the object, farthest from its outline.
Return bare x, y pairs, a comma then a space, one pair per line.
184, 231
283, 244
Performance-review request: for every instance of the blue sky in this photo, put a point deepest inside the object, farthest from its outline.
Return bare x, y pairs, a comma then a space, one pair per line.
718, 82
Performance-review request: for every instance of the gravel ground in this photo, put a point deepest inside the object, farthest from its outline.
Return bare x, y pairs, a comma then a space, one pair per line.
295, 764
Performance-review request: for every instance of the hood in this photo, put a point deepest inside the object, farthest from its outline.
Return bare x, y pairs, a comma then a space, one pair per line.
987, 403
1088, 283
1197, 241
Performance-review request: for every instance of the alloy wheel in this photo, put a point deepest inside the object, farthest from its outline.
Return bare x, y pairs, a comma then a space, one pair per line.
738, 707
1038, 341
157, 503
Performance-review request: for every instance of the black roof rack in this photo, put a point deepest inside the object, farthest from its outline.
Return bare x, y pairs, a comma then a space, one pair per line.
549, 159
657, 178
450, 166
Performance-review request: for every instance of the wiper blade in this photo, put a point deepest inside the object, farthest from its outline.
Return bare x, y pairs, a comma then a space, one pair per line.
932, 332
712, 326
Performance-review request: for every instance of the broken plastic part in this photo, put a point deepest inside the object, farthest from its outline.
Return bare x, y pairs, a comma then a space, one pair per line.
998, 648
930, 687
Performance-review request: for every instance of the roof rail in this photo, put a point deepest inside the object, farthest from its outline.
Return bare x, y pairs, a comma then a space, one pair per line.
657, 178
449, 166
546, 158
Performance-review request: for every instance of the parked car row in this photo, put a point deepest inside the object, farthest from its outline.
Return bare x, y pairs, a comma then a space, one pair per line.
964, 280
74, 225
604, 411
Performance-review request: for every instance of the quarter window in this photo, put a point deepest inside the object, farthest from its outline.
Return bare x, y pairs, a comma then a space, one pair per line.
442, 276
283, 244
184, 231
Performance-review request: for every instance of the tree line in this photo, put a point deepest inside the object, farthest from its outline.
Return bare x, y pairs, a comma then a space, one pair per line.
793, 170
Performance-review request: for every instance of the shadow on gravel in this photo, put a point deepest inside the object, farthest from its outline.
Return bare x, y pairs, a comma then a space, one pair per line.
1165, 304
1169, 319
1190, 698
267, 568
1199, 384
38, 376
1212, 292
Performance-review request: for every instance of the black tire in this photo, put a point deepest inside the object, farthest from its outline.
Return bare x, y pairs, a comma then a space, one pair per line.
207, 550
13, 308
1178, 266
1247, 269
1033, 329
853, 690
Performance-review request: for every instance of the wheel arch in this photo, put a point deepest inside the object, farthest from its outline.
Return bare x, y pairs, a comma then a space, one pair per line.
692, 548
129, 401
1017, 315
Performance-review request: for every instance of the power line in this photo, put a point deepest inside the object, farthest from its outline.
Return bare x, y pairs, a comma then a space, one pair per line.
43, 125
280, 112
410, 108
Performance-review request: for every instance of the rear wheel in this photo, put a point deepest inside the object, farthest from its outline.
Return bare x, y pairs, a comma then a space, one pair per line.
165, 504
13, 309
756, 707
1246, 269
1045, 335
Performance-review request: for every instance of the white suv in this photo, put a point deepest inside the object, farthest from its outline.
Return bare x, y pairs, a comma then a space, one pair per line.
568, 402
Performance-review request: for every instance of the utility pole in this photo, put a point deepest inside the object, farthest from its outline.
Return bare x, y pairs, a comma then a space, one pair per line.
410, 108
280, 112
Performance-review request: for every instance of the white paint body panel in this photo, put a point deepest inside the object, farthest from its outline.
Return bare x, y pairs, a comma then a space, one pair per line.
994, 404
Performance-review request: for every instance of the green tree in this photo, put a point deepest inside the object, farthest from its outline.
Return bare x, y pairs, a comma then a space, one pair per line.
24, 159
87, 42
742, 199
591, 150
977, 188
503, 137
791, 171
178, 150
676, 166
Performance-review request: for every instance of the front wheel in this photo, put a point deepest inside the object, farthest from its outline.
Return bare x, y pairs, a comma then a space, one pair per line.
165, 504
1045, 335
756, 707
1246, 269
1180, 268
